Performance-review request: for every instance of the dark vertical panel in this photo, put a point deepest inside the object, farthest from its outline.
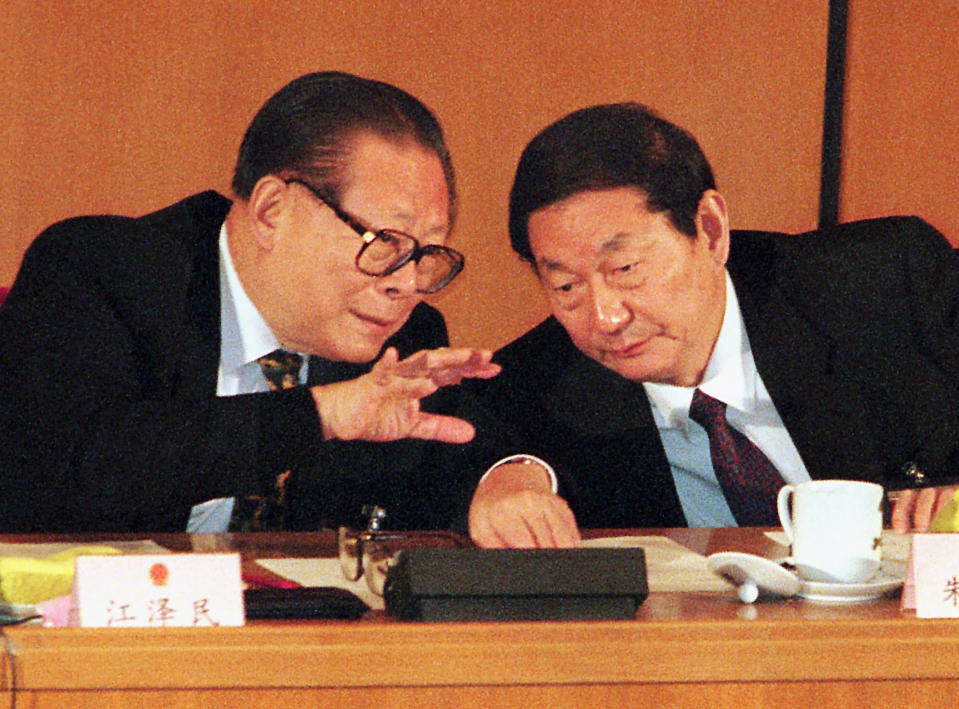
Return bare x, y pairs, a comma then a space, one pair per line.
832, 115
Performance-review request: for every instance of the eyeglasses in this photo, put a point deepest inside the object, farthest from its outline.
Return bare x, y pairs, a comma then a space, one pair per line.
370, 553
385, 251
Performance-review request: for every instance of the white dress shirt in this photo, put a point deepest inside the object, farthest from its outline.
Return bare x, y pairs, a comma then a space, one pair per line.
244, 338
731, 377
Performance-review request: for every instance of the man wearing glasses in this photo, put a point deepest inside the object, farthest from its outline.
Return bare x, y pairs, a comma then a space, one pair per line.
150, 366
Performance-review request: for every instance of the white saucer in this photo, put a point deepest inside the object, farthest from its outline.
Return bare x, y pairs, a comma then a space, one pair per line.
891, 576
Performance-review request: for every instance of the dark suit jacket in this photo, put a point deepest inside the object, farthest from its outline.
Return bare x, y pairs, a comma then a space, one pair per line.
109, 419
854, 330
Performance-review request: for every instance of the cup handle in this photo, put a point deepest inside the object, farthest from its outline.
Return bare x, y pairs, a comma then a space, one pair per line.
782, 504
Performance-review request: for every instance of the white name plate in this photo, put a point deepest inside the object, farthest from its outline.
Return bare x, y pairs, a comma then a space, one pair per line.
934, 568
157, 591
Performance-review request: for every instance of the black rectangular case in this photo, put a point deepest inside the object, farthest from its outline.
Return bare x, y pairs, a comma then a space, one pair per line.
305, 602
516, 584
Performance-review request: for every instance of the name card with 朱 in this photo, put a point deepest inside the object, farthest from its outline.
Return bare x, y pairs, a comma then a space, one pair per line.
934, 572
157, 591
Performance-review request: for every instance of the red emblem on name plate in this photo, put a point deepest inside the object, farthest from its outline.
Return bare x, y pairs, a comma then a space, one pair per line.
159, 574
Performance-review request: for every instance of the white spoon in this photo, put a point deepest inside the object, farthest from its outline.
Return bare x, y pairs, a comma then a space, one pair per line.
754, 574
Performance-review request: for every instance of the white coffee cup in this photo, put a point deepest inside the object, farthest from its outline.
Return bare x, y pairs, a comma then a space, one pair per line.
835, 529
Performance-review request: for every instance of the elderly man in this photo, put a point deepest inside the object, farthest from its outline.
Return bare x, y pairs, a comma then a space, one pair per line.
687, 373
150, 366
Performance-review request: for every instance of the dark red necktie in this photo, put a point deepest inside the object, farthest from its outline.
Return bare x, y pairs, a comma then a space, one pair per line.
748, 480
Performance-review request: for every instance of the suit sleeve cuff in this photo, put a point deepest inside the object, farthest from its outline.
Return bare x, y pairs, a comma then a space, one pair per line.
524, 458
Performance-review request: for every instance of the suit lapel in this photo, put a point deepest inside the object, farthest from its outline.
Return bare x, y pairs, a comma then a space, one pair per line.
183, 309
201, 351
575, 400
614, 414
823, 411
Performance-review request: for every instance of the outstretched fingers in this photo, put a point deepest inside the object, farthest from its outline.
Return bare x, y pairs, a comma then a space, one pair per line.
447, 366
446, 429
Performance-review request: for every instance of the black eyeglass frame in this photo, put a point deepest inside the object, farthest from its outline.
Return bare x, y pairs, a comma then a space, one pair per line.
371, 552
456, 259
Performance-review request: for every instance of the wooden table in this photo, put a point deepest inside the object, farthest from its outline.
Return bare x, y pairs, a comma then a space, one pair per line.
684, 649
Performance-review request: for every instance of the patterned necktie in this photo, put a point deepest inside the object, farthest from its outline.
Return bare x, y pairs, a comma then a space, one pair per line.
281, 369
265, 513
748, 480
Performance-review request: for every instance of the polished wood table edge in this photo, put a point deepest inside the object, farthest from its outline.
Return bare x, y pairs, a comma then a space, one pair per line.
331, 654
6, 670
676, 637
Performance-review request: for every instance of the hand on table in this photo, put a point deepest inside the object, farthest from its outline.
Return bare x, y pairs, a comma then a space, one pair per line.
514, 506
914, 510
384, 404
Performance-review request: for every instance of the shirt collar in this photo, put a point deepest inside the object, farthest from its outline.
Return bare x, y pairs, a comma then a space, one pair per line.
244, 334
730, 374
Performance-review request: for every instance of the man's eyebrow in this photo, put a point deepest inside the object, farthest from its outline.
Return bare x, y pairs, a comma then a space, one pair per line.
439, 230
405, 218
615, 243
550, 265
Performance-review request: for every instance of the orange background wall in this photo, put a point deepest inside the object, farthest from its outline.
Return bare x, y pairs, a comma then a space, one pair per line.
128, 105
902, 112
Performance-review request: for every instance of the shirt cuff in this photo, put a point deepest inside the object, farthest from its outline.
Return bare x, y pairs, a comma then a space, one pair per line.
523, 458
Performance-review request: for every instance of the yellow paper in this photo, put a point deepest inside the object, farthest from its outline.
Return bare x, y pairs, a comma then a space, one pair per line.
25, 580
947, 519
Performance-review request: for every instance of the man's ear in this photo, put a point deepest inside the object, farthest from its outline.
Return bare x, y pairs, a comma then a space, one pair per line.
712, 222
268, 200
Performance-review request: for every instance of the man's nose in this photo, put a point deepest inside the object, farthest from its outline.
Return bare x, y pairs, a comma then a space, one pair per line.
401, 283
610, 313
